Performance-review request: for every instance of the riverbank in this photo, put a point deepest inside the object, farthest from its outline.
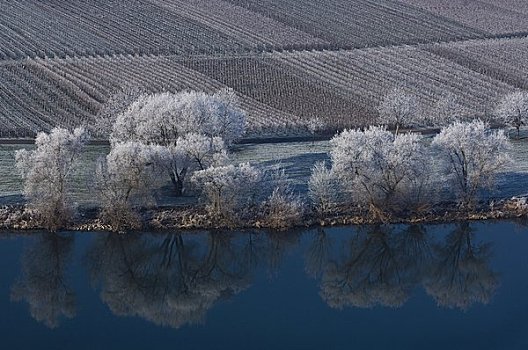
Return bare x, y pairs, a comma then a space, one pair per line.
21, 218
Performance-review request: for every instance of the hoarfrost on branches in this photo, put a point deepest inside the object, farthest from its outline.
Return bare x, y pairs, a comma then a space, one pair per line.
283, 208
513, 110
324, 189
226, 189
378, 168
191, 127
398, 108
46, 172
473, 155
124, 179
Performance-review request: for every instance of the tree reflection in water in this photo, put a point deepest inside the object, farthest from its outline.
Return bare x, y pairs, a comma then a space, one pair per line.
174, 279
382, 267
43, 284
168, 280
462, 275
318, 253
370, 274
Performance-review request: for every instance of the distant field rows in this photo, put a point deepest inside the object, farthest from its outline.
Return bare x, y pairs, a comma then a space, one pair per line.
360, 22
75, 28
371, 73
39, 94
247, 26
502, 59
277, 89
491, 16
288, 60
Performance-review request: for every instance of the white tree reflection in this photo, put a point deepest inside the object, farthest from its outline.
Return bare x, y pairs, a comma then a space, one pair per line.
168, 280
462, 275
370, 275
382, 266
318, 253
43, 284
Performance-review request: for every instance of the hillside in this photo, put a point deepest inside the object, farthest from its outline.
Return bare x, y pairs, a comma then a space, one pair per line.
289, 61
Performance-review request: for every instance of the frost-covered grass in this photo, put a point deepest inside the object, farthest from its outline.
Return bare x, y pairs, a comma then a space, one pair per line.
296, 158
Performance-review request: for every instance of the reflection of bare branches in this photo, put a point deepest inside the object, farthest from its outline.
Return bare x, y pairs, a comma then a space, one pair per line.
462, 275
370, 276
415, 253
42, 284
252, 250
279, 242
318, 253
167, 280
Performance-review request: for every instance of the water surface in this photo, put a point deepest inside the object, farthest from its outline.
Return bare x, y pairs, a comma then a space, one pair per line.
457, 286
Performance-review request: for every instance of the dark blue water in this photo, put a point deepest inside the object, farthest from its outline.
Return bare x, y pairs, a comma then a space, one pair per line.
459, 286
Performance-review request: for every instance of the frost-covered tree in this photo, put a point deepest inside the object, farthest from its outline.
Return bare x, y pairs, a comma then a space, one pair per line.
191, 152
399, 109
118, 102
283, 208
446, 111
123, 179
162, 118
380, 169
473, 155
513, 110
47, 171
182, 123
226, 189
315, 125
324, 189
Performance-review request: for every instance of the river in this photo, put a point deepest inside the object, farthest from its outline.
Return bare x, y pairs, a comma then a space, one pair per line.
451, 286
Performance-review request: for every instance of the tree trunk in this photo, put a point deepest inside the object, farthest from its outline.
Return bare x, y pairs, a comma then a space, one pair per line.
178, 185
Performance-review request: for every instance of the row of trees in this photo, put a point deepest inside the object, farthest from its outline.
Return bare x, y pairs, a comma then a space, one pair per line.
386, 173
400, 109
185, 137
